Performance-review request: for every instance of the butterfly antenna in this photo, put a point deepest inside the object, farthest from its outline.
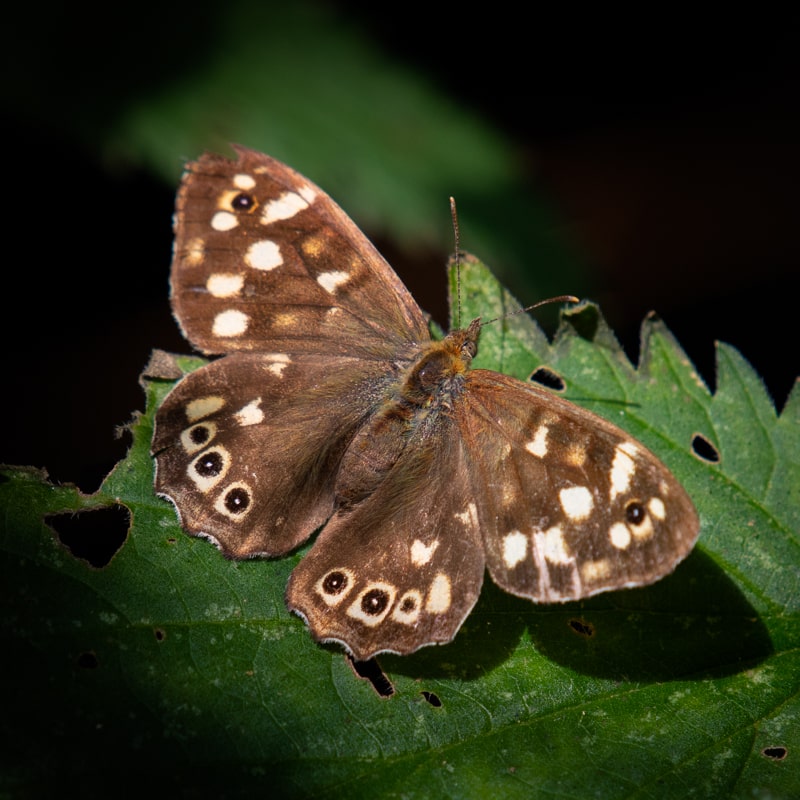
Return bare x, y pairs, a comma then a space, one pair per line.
456, 237
562, 298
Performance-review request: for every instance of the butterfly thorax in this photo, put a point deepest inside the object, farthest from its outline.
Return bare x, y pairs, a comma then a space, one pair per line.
427, 388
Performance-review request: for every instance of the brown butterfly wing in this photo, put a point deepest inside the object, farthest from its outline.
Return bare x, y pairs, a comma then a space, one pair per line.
248, 447
570, 505
265, 260
403, 568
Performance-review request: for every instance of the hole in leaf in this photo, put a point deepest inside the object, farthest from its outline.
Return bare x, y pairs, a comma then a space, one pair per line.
775, 753
160, 634
433, 699
370, 671
87, 660
546, 377
582, 628
704, 450
95, 535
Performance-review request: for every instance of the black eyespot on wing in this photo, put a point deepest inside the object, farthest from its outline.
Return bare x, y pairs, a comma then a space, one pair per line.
374, 602
635, 513
243, 202
335, 583
408, 605
210, 464
237, 500
199, 434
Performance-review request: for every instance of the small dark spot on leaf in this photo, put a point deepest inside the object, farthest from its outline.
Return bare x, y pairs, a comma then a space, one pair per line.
433, 699
775, 753
582, 628
704, 450
545, 376
94, 535
171, 540
370, 671
87, 660
160, 634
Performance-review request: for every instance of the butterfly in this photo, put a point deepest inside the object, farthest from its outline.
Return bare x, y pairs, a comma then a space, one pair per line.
333, 408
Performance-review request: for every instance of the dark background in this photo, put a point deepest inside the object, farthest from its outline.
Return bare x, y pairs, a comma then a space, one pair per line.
668, 148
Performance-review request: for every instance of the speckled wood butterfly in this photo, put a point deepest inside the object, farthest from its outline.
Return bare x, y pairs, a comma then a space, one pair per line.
333, 408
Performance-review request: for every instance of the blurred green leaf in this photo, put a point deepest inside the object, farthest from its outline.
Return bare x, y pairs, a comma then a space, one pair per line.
172, 668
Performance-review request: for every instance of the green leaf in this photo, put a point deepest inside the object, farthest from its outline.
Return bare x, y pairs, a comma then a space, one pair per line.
171, 667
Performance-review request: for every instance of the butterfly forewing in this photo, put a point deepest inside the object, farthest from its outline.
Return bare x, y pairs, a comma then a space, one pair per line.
571, 505
264, 259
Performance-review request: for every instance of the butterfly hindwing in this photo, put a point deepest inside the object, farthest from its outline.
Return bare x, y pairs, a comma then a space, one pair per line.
403, 568
248, 447
571, 505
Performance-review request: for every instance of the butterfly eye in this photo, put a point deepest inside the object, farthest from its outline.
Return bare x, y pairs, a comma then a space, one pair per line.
243, 202
634, 513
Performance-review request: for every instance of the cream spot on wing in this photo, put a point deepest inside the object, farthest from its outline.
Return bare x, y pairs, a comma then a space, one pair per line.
644, 529
195, 251
630, 448
657, 508
593, 571
283, 207
515, 548
244, 182
538, 445
438, 595
551, 545
373, 603
224, 221
331, 281
307, 193
264, 255
619, 535
622, 469
203, 406
421, 553
230, 323
577, 502
222, 284
251, 414
468, 517
277, 363
408, 608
